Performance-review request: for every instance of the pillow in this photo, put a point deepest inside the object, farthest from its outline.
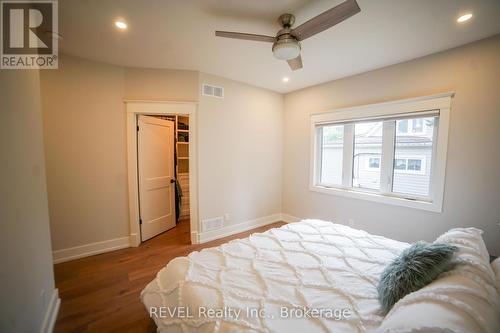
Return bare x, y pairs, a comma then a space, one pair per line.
463, 299
414, 268
468, 238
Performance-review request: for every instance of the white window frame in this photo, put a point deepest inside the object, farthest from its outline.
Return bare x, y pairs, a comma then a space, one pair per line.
435, 104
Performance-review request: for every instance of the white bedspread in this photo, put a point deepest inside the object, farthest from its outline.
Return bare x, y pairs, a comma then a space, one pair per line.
317, 276
299, 267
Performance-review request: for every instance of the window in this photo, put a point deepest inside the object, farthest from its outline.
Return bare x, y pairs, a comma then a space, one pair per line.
410, 126
400, 164
414, 164
331, 154
409, 165
374, 163
417, 125
392, 152
403, 126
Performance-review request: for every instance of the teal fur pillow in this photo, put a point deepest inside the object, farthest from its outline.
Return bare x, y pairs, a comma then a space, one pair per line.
414, 268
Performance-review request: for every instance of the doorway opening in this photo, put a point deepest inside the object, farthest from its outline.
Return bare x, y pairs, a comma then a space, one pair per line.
163, 172
162, 169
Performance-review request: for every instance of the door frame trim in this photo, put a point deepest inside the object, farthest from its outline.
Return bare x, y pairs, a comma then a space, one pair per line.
144, 107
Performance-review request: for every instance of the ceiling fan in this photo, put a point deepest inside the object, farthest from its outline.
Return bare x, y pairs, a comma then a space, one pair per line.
286, 44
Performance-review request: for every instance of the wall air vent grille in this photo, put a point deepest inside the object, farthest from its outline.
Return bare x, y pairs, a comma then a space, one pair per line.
212, 224
212, 91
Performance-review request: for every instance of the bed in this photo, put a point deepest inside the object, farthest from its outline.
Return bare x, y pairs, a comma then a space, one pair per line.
319, 276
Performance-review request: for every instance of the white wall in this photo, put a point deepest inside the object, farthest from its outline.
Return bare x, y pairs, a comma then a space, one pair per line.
472, 191
85, 147
239, 151
240, 146
161, 84
26, 275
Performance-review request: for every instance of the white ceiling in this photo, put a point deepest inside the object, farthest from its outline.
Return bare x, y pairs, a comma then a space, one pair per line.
179, 34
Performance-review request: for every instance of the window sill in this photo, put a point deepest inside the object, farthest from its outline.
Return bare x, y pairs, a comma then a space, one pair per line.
380, 198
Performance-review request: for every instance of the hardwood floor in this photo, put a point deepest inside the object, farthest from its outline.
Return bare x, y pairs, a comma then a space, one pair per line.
101, 293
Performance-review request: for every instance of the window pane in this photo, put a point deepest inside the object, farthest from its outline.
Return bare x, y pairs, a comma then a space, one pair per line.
374, 163
413, 158
414, 164
402, 126
400, 164
367, 144
332, 155
418, 125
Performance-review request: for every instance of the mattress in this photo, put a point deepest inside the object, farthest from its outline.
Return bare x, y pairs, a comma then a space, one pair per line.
310, 276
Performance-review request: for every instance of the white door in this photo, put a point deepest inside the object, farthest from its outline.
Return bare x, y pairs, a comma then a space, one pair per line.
155, 151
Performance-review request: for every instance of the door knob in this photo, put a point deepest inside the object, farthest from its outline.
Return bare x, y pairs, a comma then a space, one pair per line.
172, 180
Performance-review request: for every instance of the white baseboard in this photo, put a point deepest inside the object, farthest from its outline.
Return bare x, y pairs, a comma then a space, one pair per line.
49, 320
229, 230
289, 218
194, 237
87, 250
135, 240
91, 249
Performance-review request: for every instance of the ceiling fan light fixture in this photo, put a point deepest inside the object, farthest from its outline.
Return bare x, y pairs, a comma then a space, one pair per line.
286, 49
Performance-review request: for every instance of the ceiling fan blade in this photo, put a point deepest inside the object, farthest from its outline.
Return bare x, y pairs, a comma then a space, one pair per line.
326, 19
295, 63
240, 35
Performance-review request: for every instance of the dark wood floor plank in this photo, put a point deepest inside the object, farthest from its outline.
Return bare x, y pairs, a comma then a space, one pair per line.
101, 293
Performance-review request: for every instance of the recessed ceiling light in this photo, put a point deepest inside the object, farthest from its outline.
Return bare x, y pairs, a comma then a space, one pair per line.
285, 79
464, 18
121, 24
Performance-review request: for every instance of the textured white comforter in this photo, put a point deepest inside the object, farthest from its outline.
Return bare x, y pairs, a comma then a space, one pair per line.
312, 264
311, 276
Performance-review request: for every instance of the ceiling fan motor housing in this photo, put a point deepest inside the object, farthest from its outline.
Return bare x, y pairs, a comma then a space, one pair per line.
286, 20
